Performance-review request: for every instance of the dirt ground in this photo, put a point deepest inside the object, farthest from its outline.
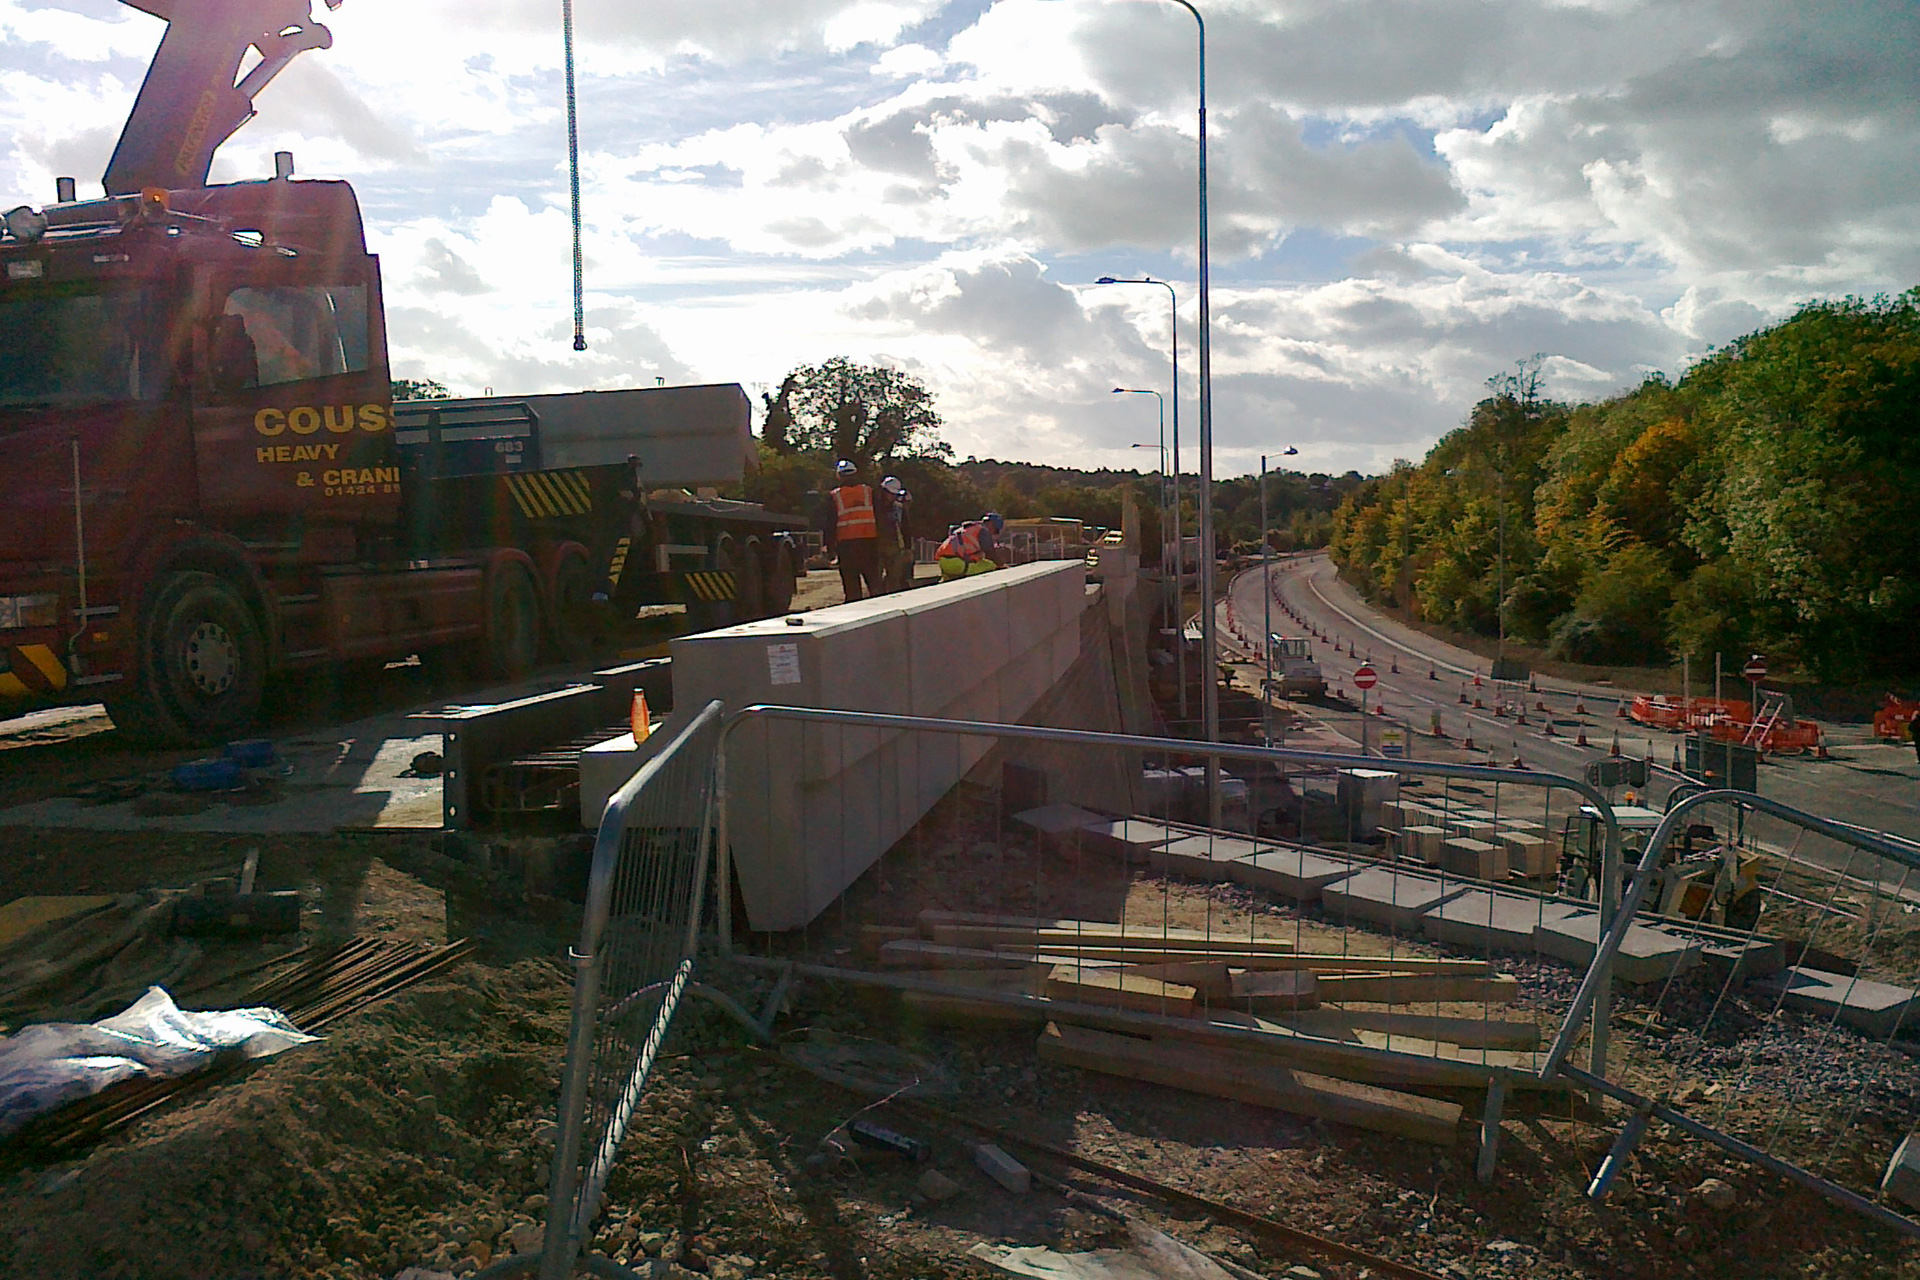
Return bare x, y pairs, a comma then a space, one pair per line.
415, 1132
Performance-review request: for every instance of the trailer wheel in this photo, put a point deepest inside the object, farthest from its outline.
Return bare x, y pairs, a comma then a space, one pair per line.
781, 573
202, 665
573, 625
750, 583
513, 622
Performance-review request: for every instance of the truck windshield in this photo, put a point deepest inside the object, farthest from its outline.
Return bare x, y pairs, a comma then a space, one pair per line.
82, 345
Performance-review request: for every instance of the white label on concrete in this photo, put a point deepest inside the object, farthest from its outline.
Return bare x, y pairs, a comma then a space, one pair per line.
783, 663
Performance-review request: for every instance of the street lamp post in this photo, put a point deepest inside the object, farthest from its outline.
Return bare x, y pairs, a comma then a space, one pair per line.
1266, 604
1179, 552
1180, 647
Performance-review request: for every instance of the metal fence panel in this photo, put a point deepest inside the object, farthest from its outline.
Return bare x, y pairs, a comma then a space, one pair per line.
632, 967
1790, 1044
1063, 852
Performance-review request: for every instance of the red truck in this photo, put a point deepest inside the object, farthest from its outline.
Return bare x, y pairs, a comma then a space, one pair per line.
208, 486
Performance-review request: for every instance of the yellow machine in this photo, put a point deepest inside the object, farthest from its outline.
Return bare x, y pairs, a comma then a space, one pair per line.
1703, 877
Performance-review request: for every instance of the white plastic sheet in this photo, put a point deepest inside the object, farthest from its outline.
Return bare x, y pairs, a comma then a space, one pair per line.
51, 1064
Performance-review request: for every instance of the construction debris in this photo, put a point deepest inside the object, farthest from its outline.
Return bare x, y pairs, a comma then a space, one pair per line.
1150, 1255
1003, 1168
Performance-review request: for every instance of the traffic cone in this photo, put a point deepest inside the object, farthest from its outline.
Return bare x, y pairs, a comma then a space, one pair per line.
1476, 679
1580, 707
1380, 708
1819, 748
1614, 750
1499, 710
1464, 700
1478, 705
1518, 763
1396, 664
1581, 741
1620, 710
1432, 674
1546, 726
1522, 716
1540, 705
1533, 685
1467, 742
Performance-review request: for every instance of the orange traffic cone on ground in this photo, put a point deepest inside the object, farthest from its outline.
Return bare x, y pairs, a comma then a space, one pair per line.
1464, 699
1467, 742
1620, 710
1396, 664
1518, 763
1819, 748
1432, 674
1580, 707
1533, 685
1478, 705
1540, 705
1380, 708
1476, 679
1581, 741
1499, 710
1614, 750
1521, 716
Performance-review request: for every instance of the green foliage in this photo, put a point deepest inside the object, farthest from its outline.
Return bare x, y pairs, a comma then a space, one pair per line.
418, 389
868, 413
1765, 502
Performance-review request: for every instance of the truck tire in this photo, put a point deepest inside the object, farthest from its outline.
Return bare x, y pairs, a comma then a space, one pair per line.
513, 622
202, 665
573, 624
781, 572
750, 583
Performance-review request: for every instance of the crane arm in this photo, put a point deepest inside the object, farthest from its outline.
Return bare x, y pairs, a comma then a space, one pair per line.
190, 102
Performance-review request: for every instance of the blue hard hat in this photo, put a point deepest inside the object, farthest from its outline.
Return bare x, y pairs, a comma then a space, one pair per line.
994, 521
845, 468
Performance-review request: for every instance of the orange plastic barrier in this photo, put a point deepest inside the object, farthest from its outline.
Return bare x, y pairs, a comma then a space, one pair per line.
1896, 719
1785, 738
1657, 712
1704, 713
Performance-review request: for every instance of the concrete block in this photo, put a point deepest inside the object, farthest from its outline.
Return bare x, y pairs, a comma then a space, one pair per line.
1423, 843
1876, 1008
1361, 793
1003, 1168
1131, 839
1201, 857
1528, 854
1478, 920
1474, 859
1647, 954
814, 806
1902, 1178
1751, 958
1289, 873
1395, 898
1471, 828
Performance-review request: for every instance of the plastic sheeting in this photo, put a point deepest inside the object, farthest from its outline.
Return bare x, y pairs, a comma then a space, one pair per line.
51, 1064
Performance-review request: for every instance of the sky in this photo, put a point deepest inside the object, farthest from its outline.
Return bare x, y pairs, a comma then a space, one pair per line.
1407, 196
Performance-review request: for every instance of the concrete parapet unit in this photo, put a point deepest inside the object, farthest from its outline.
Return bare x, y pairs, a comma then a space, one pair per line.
814, 806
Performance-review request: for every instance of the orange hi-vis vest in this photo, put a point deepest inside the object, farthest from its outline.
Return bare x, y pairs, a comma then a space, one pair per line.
853, 516
963, 543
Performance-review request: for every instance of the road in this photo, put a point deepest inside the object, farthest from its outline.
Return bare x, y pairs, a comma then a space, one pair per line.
1865, 783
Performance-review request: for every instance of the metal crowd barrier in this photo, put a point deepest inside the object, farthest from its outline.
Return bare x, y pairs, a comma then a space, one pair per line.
1783, 1053
633, 966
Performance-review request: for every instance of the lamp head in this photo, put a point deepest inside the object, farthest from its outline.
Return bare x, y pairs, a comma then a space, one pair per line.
1119, 391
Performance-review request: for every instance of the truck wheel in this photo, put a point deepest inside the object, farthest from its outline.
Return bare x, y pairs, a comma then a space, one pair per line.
750, 583
513, 622
781, 572
202, 665
573, 623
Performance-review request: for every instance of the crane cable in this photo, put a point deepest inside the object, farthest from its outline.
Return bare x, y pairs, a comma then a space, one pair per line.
573, 181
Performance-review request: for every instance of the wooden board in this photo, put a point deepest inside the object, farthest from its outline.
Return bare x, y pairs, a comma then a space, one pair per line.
1122, 991
1274, 990
1224, 1074
1182, 940
1411, 988
1346, 1024
911, 953
1208, 977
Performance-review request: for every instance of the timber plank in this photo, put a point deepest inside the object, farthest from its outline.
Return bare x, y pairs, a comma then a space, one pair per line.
1410, 988
1122, 991
1224, 1074
1485, 1033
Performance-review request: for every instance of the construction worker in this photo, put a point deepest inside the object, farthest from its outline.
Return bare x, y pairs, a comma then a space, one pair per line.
971, 548
854, 534
896, 535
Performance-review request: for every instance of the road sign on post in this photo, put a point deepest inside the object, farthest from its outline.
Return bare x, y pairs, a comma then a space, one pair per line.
1365, 678
1756, 669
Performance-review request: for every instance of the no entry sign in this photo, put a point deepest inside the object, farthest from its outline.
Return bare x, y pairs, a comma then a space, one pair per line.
1756, 668
1365, 678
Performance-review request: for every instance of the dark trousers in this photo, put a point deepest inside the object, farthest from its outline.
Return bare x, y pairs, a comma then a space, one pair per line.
860, 563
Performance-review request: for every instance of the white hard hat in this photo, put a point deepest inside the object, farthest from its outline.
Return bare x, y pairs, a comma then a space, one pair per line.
892, 485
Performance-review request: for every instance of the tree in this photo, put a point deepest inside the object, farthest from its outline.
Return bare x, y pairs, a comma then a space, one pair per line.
418, 389
776, 430
869, 414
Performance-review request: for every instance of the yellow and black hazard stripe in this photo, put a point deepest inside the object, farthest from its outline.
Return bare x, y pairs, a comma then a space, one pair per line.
619, 565
546, 495
30, 670
709, 586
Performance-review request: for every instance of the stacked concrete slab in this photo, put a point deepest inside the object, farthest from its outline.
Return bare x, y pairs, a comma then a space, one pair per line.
1647, 954
813, 806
